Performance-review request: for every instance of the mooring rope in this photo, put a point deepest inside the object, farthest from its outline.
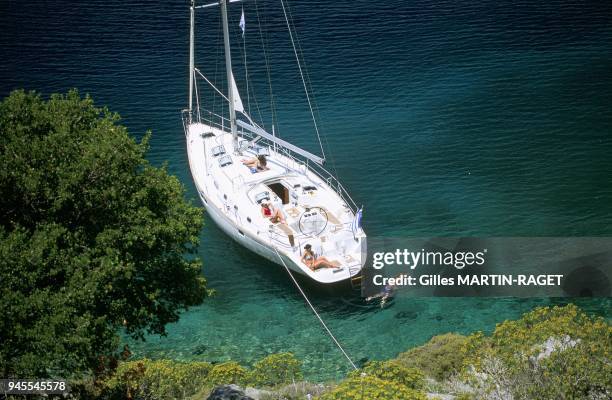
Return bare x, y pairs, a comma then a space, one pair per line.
329, 332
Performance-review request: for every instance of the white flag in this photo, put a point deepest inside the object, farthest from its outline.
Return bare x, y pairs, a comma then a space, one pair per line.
242, 24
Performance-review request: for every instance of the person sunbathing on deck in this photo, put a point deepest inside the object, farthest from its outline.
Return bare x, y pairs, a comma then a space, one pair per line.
313, 262
274, 215
256, 164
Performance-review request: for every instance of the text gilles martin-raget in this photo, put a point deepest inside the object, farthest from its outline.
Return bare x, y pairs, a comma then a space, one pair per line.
456, 259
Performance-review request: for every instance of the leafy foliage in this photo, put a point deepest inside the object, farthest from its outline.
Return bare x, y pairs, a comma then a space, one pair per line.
276, 369
439, 358
92, 237
227, 373
370, 387
550, 353
392, 371
161, 379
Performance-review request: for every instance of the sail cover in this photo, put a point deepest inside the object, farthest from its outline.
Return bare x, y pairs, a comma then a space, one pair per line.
237, 101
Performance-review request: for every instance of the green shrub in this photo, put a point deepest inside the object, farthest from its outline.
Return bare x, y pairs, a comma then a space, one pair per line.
550, 353
372, 388
159, 379
227, 373
392, 371
275, 369
439, 358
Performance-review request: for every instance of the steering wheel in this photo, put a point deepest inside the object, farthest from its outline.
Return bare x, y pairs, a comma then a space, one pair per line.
313, 221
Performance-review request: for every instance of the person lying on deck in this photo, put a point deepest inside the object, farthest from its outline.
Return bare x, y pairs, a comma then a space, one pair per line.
313, 262
256, 164
274, 215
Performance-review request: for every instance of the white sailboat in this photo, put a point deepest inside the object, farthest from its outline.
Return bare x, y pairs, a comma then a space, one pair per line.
316, 209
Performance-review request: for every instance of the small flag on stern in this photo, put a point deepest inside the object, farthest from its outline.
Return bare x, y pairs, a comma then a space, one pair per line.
242, 24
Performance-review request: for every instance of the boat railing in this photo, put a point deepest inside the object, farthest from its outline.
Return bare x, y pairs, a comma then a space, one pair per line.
220, 122
185, 118
208, 117
279, 237
300, 162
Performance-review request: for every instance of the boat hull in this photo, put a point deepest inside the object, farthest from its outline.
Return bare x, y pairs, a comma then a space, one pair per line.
244, 239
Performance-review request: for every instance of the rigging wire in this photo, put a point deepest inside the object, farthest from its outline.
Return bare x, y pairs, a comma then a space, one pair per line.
308, 80
268, 69
250, 86
216, 74
329, 332
297, 58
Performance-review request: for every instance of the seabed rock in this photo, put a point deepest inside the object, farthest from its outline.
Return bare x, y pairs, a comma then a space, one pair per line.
228, 392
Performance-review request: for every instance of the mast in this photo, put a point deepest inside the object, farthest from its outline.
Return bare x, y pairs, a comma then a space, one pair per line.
228, 67
191, 57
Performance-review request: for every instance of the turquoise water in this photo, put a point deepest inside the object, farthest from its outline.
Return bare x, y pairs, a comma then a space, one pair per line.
443, 118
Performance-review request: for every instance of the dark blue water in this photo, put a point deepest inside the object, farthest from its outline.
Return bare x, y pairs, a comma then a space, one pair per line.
488, 118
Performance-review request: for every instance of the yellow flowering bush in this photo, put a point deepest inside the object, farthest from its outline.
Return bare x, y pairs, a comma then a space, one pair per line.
275, 369
157, 379
392, 371
370, 387
226, 373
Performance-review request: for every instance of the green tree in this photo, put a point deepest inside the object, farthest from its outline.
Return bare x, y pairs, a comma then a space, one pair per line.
92, 237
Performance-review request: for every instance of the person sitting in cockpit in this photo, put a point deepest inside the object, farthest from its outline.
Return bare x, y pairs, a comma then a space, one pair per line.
274, 215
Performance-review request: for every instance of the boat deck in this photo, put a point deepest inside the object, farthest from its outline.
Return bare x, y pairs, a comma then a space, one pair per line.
315, 214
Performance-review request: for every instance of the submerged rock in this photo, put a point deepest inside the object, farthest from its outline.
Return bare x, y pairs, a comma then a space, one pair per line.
199, 350
228, 392
362, 361
406, 315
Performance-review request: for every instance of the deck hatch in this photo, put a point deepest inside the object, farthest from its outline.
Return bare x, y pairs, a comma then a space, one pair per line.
218, 150
225, 161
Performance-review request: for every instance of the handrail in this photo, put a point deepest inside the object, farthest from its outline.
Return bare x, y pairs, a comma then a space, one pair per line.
275, 234
219, 121
318, 170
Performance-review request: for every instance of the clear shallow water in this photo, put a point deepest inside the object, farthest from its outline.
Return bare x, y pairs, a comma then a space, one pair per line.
444, 118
